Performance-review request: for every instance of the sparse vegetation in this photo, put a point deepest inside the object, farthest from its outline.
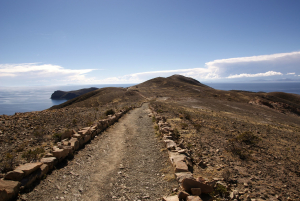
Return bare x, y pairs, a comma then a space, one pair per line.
57, 137
8, 162
109, 112
220, 190
248, 138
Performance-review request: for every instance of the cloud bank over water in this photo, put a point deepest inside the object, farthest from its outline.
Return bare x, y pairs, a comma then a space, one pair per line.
274, 67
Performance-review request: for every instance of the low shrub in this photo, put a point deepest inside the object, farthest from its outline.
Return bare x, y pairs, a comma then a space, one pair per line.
221, 191
57, 137
237, 145
176, 134
8, 162
184, 125
110, 112
33, 154
248, 138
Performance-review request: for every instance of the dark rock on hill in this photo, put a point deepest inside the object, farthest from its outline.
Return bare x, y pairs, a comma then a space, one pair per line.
71, 94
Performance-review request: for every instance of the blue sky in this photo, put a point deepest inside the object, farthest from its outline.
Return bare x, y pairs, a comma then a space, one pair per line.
99, 42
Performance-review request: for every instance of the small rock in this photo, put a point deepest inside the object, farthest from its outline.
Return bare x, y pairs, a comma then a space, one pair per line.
234, 194
193, 198
187, 184
182, 195
196, 191
171, 198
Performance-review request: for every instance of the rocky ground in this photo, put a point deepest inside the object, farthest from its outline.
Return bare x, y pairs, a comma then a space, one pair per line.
247, 143
26, 137
250, 150
126, 162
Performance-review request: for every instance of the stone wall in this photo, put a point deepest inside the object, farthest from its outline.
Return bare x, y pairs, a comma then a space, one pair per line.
24, 175
192, 189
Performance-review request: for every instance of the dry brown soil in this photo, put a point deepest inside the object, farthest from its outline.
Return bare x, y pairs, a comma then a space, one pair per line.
126, 162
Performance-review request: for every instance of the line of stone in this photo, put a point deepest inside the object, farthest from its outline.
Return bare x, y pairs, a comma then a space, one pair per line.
193, 189
24, 175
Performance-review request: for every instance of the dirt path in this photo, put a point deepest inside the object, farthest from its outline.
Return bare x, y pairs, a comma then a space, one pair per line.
123, 163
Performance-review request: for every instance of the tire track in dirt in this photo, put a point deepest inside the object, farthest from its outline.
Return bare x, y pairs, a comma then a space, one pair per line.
123, 163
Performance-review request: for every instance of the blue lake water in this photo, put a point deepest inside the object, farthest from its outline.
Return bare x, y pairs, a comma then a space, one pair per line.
27, 99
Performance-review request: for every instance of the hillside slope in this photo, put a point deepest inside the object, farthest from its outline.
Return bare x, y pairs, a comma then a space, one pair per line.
244, 141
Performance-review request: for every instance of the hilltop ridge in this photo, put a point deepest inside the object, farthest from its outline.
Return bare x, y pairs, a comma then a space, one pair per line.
240, 142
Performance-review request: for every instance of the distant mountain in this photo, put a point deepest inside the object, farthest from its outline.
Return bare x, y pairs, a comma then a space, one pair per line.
71, 94
175, 88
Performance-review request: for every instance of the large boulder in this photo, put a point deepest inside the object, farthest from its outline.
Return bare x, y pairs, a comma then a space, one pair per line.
60, 154
65, 142
102, 124
76, 136
43, 171
28, 168
183, 175
28, 180
86, 138
196, 191
67, 134
93, 131
84, 131
170, 144
74, 143
181, 166
175, 157
80, 139
69, 148
50, 161
166, 130
15, 175
8, 189
187, 184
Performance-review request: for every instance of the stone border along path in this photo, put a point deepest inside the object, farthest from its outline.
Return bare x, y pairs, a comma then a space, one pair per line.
24, 175
125, 162
193, 189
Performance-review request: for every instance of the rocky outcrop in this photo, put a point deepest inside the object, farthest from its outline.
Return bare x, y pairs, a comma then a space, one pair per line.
71, 94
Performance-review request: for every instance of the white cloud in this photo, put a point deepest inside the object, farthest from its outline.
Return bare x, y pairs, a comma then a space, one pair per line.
283, 64
269, 73
38, 73
241, 67
46, 70
198, 73
259, 58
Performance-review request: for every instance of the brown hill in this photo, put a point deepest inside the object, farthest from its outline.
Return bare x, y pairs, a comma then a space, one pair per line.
244, 141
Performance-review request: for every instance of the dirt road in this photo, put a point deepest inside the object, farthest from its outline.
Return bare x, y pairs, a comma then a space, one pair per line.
123, 163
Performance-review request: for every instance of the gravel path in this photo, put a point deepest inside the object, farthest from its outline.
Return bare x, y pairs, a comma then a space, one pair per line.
123, 163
